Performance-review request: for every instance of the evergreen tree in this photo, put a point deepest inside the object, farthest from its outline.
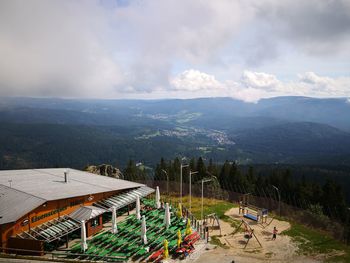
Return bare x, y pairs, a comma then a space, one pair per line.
212, 168
175, 170
130, 171
224, 175
333, 200
192, 164
201, 169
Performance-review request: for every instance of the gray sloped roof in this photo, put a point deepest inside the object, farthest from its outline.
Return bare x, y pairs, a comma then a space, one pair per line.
86, 213
33, 187
14, 204
49, 184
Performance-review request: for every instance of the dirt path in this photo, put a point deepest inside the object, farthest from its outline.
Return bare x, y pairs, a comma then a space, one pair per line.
283, 249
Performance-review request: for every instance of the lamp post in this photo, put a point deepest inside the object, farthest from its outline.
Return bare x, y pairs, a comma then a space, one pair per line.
181, 166
167, 181
279, 199
204, 181
214, 178
191, 188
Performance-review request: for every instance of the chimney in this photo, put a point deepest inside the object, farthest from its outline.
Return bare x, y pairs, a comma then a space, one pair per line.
66, 171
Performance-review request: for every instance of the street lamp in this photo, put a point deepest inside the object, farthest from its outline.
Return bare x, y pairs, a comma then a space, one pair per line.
167, 181
279, 199
204, 181
214, 178
191, 188
181, 166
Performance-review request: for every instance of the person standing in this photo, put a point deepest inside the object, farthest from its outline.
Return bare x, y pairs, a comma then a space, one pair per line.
274, 233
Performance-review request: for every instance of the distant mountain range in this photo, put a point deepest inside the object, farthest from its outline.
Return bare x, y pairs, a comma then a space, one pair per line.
61, 132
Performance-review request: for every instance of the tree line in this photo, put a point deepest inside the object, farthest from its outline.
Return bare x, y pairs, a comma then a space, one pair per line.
325, 197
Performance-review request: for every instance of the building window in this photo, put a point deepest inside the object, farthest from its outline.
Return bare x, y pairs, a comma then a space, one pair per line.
95, 222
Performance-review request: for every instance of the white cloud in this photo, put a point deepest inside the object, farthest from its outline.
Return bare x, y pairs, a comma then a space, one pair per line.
257, 85
55, 48
81, 48
260, 80
194, 80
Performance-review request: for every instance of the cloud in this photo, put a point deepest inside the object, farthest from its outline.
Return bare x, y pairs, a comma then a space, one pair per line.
313, 28
116, 49
316, 27
308, 84
55, 48
92, 48
194, 80
260, 80
167, 33
254, 86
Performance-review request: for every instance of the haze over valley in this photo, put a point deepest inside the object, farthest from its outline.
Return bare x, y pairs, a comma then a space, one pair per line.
289, 130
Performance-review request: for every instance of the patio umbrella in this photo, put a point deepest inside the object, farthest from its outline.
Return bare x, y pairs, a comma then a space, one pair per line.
114, 221
188, 230
179, 211
143, 231
157, 198
167, 220
166, 250
179, 238
84, 245
138, 215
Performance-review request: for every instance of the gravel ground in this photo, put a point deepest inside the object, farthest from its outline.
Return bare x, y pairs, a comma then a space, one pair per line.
283, 249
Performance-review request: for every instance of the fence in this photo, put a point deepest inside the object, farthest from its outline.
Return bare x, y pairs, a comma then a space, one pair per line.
300, 212
55, 256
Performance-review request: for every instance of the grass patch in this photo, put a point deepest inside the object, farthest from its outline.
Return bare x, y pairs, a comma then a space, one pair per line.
312, 242
209, 205
216, 241
233, 222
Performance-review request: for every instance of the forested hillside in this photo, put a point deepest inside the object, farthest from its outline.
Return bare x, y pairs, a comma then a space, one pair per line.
58, 132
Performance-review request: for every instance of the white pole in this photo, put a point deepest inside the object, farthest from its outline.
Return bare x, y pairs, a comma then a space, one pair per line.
83, 237
202, 201
191, 189
114, 221
138, 214
204, 181
190, 192
157, 198
144, 230
167, 215
181, 166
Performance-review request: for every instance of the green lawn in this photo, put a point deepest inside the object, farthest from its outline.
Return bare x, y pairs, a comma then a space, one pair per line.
209, 205
310, 242
216, 241
313, 242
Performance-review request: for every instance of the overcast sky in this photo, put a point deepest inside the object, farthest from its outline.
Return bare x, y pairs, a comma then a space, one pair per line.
182, 48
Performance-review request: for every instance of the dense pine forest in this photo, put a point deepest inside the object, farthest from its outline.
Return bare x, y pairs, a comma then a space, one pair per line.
321, 194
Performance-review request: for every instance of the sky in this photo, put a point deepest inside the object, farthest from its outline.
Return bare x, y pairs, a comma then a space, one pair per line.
114, 49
